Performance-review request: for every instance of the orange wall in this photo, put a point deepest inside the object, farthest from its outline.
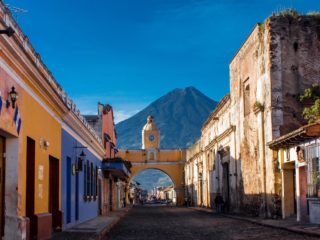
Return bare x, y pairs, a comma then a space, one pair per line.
108, 127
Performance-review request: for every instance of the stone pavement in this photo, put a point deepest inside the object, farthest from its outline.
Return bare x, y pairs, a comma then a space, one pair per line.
175, 223
285, 224
93, 229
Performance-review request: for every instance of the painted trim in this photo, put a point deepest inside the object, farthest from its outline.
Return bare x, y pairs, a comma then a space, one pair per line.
12, 74
79, 139
27, 88
157, 163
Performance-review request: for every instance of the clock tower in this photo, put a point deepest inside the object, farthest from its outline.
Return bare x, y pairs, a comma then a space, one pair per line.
150, 135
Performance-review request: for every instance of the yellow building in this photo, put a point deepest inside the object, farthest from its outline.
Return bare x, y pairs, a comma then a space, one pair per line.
30, 136
170, 161
33, 111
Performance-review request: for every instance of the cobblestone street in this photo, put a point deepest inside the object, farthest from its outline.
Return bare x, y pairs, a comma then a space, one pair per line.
159, 222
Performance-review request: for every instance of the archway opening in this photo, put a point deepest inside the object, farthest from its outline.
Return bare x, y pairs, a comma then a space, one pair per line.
152, 186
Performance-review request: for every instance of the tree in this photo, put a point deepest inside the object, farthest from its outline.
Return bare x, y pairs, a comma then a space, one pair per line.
311, 98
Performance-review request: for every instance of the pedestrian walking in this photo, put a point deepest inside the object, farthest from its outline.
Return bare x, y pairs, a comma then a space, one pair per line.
219, 202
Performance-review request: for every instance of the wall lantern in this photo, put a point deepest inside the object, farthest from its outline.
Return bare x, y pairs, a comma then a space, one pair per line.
9, 31
12, 98
44, 144
81, 159
78, 165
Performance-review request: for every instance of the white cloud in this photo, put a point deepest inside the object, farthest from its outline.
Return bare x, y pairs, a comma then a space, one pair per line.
123, 107
122, 115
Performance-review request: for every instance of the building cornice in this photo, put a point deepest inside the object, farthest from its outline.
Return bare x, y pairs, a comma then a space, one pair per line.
213, 115
220, 137
27, 63
81, 131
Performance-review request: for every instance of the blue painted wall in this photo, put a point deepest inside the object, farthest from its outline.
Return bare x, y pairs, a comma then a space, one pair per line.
87, 208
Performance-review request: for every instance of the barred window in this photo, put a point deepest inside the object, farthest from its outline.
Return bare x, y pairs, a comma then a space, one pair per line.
247, 99
85, 181
96, 181
313, 170
91, 180
88, 179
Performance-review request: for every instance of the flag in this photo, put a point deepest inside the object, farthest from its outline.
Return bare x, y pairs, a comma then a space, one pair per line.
17, 120
0, 104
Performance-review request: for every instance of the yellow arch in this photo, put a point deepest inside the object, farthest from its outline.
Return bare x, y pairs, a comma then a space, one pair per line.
170, 162
151, 168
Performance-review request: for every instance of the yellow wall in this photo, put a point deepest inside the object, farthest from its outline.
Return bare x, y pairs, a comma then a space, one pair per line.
162, 155
37, 124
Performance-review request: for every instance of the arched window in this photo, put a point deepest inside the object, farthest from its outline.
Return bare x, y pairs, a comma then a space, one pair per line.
246, 99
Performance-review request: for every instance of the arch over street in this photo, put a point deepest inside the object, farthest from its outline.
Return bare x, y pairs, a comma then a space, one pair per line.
171, 162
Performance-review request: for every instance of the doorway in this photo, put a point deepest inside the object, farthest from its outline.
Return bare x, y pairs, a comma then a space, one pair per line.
2, 184
99, 197
68, 197
225, 186
54, 191
30, 188
110, 194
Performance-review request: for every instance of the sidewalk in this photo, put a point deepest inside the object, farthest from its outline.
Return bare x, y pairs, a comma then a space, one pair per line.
286, 224
93, 229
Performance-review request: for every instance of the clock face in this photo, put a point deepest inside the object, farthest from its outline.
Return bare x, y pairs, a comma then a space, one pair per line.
151, 138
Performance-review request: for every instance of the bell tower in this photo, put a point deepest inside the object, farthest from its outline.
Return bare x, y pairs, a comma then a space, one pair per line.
150, 135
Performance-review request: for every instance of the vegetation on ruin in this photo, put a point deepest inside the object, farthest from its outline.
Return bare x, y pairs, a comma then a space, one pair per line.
313, 14
258, 104
289, 12
311, 98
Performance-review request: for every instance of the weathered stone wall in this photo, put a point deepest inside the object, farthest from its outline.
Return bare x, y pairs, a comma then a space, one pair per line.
293, 48
295, 65
248, 76
278, 60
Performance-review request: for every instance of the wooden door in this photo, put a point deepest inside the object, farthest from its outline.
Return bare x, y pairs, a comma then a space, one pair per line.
54, 191
30, 188
2, 184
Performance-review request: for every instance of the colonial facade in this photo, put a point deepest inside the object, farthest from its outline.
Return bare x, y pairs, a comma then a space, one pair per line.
51, 158
298, 155
278, 60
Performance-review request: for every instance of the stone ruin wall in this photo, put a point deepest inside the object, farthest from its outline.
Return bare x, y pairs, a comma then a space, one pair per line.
295, 66
246, 69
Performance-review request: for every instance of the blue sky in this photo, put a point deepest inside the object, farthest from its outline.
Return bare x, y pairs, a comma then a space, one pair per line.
130, 52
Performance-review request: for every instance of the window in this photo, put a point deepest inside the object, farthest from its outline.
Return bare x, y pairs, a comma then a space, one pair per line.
88, 180
85, 181
213, 160
313, 170
246, 99
96, 182
92, 188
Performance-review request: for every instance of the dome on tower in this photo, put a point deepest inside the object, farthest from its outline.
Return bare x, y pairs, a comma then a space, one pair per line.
150, 125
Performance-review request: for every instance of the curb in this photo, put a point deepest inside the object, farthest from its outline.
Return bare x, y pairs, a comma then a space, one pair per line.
104, 231
259, 222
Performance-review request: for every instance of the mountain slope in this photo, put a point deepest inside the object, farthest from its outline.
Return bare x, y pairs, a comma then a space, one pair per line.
179, 116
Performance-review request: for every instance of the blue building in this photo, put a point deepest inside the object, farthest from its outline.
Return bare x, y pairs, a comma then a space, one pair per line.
81, 180
91, 185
